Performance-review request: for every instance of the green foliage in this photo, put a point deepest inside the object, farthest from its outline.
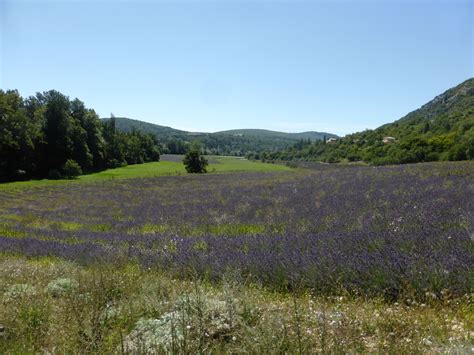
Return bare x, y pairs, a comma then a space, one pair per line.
39, 134
152, 169
440, 130
194, 161
233, 142
176, 146
192, 317
18, 137
61, 286
71, 169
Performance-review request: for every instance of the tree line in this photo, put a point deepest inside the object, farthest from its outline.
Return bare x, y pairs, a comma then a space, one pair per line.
41, 133
220, 143
374, 147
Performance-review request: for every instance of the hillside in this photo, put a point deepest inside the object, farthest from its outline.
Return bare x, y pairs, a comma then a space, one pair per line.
272, 134
231, 142
442, 129
161, 132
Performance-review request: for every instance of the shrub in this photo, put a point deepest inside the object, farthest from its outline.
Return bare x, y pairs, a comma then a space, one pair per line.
61, 286
195, 162
192, 318
71, 169
457, 152
150, 335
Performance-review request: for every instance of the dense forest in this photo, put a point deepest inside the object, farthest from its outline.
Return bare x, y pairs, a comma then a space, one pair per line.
442, 129
234, 142
41, 133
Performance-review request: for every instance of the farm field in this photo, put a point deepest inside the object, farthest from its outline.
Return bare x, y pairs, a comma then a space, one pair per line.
236, 177
260, 258
169, 165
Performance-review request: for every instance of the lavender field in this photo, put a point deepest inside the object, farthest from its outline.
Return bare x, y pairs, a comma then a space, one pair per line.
373, 231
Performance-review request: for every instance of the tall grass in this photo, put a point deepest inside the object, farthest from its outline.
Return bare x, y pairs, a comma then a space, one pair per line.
66, 308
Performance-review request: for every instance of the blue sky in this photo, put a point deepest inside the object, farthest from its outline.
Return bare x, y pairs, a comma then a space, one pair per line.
335, 66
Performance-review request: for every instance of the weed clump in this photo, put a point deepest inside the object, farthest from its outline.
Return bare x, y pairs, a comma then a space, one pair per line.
61, 286
194, 321
19, 291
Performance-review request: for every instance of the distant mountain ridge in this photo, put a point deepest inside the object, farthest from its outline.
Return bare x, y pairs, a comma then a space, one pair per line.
161, 132
234, 142
268, 133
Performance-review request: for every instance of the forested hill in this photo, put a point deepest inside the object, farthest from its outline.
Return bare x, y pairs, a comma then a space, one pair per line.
163, 133
232, 142
259, 133
442, 129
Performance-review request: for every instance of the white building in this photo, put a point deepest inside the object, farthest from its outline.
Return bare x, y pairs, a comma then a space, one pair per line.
388, 140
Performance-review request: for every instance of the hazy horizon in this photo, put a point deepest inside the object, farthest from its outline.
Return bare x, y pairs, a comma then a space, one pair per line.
203, 66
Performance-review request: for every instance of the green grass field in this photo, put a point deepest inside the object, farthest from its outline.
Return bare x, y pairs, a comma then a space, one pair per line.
162, 168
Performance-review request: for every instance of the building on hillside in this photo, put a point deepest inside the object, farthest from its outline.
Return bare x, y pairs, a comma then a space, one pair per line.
331, 140
388, 140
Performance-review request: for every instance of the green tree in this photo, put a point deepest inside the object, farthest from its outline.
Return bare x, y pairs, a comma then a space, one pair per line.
95, 140
38, 135
194, 161
115, 155
58, 124
176, 146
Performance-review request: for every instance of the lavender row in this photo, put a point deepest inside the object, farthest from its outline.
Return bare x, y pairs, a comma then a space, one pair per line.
369, 263
376, 231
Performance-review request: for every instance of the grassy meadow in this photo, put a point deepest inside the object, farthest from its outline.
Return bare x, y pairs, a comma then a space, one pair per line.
251, 258
169, 165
